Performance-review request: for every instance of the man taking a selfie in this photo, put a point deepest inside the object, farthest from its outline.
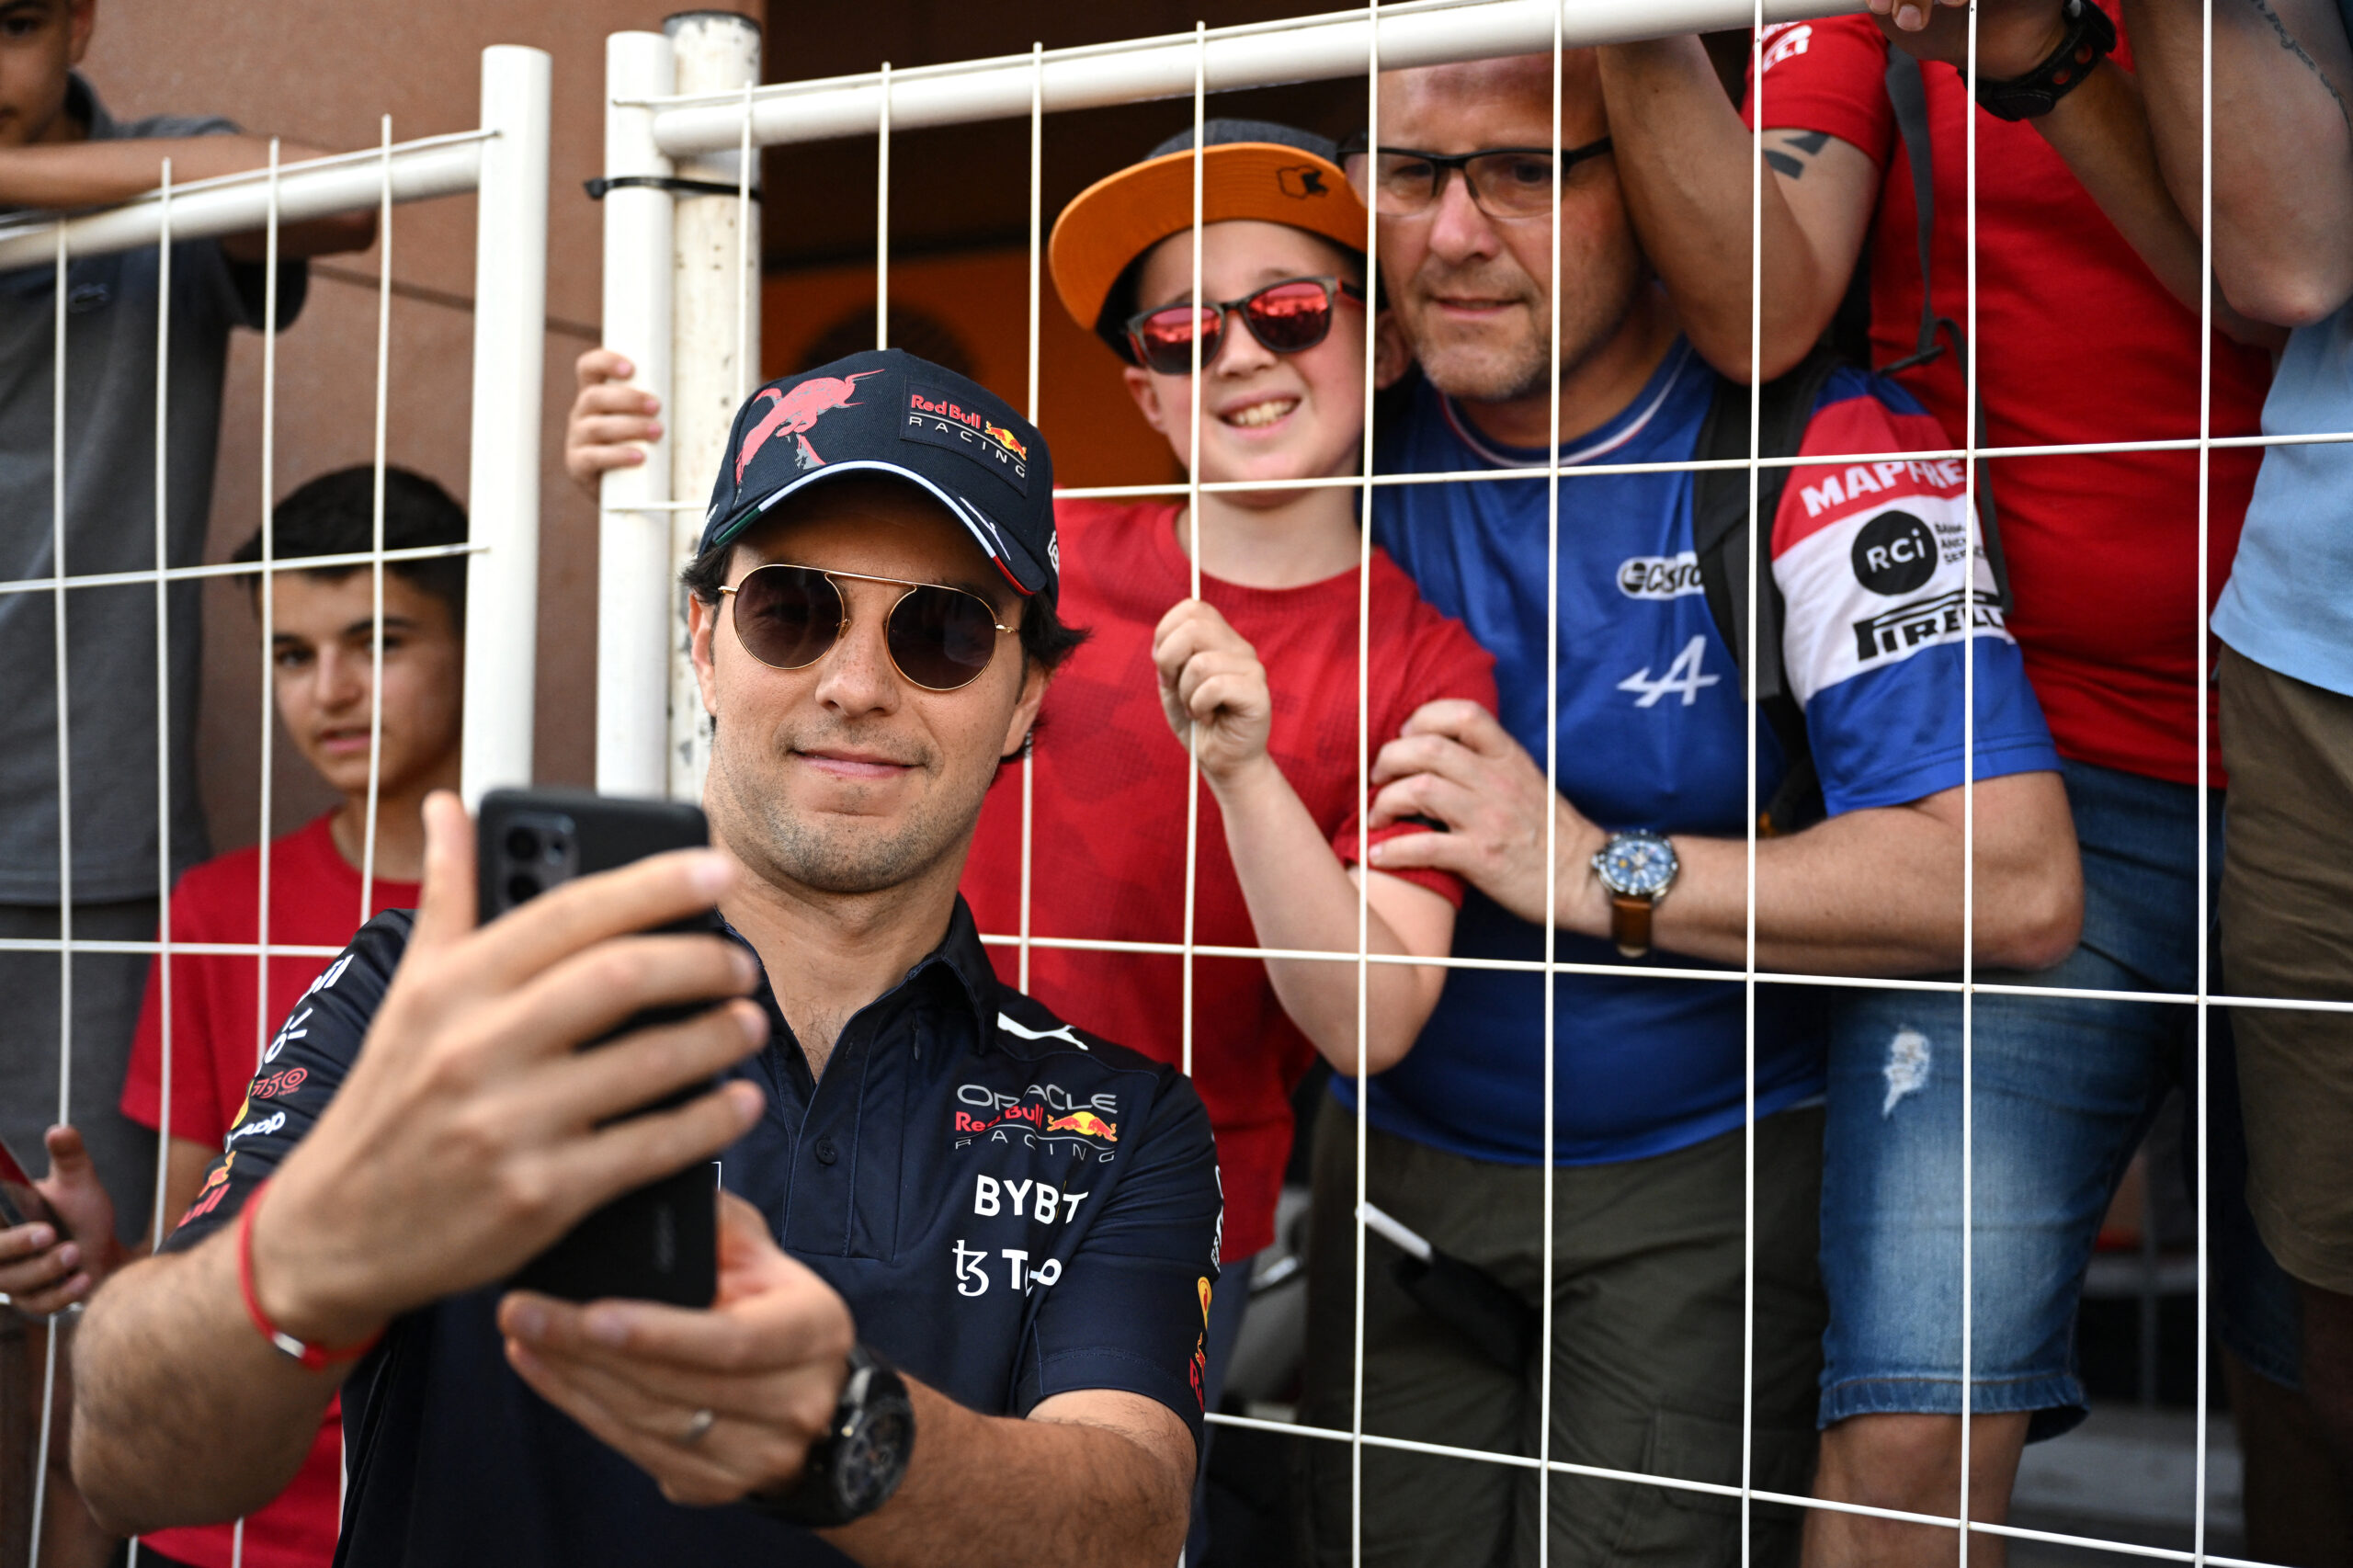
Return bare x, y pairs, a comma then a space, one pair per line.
964, 1252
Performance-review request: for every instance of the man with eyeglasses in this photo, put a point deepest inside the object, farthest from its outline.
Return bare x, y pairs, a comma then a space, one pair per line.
965, 1251
1686, 1310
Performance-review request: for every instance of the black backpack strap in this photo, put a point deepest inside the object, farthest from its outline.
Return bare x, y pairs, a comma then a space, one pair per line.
1907, 93
1729, 549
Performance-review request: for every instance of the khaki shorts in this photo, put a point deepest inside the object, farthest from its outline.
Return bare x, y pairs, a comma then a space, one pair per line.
2287, 918
1647, 1294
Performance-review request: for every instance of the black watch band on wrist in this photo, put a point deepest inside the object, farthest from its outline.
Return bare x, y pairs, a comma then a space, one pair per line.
858, 1463
2090, 36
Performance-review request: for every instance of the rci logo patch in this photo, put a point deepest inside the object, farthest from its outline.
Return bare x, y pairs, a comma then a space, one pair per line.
1894, 553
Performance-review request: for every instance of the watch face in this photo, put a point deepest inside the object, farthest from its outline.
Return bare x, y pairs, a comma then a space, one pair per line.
1636, 864
871, 1461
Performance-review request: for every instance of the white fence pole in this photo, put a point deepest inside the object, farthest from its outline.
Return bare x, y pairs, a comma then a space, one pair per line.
510, 332
715, 333
633, 574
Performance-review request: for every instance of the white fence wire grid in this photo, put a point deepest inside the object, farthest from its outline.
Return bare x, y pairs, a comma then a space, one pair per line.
1346, 44
653, 127
503, 163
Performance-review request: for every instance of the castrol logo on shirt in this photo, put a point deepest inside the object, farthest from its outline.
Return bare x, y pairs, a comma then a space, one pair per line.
1659, 576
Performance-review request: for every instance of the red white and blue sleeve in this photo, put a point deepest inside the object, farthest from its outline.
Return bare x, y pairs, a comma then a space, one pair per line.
1887, 591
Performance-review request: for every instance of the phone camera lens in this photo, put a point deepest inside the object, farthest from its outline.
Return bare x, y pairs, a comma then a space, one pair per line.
521, 888
523, 844
555, 849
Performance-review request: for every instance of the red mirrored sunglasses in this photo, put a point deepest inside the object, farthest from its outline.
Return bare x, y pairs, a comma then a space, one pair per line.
1286, 317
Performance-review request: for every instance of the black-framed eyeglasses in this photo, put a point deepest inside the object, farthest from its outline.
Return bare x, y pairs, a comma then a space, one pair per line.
1288, 316
1504, 182
789, 617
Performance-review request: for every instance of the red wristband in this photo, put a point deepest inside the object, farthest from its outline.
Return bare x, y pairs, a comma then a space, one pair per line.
313, 1358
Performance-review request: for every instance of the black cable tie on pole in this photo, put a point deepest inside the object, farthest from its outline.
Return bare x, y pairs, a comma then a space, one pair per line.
597, 188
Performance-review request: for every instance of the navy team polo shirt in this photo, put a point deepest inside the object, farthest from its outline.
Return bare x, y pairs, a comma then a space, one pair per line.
1012, 1208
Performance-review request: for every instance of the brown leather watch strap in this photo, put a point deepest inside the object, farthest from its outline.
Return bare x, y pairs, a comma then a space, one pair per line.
1629, 923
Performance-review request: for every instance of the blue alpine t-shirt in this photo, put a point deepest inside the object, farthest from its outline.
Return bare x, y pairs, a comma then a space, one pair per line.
1873, 560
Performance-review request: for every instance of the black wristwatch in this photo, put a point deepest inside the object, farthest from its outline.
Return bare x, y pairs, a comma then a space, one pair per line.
2090, 35
855, 1467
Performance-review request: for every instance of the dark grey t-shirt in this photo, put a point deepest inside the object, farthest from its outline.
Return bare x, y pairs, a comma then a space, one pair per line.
112, 304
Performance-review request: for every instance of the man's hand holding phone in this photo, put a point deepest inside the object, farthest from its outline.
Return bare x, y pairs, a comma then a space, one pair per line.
472, 1132
712, 1404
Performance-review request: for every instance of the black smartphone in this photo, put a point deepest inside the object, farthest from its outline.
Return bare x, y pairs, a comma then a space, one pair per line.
661, 1242
20, 1201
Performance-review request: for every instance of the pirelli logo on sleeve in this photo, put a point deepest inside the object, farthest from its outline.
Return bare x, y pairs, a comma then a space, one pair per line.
1923, 622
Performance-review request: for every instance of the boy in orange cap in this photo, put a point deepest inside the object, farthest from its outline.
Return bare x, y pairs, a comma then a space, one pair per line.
1260, 672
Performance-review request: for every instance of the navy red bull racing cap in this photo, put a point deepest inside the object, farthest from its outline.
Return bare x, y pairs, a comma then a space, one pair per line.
887, 412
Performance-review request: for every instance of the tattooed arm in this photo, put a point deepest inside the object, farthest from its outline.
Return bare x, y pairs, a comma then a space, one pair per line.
2283, 144
1683, 157
2100, 128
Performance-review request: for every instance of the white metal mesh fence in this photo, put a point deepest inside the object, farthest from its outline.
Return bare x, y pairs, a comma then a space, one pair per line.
656, 125
503, 162
655, 128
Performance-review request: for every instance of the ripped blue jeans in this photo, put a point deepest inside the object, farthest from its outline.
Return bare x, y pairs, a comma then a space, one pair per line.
2064, 1089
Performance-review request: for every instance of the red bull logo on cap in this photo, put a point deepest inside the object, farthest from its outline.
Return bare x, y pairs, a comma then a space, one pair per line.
795, 414
945, 419
1006, 438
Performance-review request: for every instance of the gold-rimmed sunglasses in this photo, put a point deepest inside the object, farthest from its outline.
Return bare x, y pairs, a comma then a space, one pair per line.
789, 617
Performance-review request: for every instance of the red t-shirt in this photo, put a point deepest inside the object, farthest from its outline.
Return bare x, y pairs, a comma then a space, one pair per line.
1108, 850
2076, 341
217, 1031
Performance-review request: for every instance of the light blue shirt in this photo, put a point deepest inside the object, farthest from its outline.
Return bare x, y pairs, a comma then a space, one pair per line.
2290, 603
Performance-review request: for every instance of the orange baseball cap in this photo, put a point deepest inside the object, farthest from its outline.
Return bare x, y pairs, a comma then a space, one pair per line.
1253, 168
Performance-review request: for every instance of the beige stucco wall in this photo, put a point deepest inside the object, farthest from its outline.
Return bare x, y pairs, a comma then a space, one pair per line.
323, 74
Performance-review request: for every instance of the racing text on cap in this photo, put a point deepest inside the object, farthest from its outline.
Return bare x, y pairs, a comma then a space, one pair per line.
941, 419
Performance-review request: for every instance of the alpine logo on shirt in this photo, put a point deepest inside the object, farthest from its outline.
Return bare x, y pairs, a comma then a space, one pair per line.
1875, 560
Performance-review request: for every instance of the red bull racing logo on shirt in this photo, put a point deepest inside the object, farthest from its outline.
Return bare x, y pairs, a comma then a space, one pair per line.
1200, 1348
1041, 1116
215, 1188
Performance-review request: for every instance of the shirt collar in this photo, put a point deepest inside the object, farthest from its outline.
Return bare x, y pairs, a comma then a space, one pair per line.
1624, 426
958, 968
960, 959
